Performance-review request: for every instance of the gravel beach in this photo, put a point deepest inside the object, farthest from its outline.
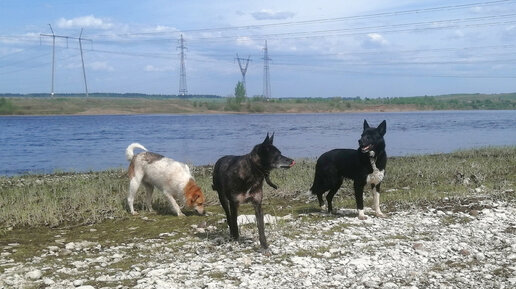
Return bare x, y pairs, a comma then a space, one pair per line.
451, 245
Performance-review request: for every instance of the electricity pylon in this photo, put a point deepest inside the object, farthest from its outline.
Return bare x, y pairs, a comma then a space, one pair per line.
243, 69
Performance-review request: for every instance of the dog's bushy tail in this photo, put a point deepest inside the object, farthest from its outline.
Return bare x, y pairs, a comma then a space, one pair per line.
129, 154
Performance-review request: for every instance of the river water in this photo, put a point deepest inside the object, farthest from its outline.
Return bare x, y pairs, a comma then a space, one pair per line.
45, 144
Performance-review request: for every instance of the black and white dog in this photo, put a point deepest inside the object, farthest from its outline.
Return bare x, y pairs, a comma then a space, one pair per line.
365, 166
239, 179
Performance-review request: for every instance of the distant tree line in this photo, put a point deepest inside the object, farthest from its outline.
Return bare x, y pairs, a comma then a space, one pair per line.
454, 101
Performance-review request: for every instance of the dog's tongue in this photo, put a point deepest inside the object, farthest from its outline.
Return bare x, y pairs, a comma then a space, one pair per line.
367, 148
293, 163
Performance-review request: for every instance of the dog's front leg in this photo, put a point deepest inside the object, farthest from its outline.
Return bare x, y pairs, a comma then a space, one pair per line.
261, 225
359, 198
174, 204
376, 200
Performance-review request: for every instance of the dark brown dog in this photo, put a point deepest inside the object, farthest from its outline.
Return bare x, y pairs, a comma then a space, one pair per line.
239, 179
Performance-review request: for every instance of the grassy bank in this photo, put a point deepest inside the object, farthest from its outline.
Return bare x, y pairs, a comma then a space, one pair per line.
68, 199
141, 104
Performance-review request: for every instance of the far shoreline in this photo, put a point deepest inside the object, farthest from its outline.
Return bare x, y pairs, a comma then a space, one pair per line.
228, 112
116, 105
128, 113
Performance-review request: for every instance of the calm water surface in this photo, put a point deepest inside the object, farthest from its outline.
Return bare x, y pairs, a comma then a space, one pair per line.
43, 144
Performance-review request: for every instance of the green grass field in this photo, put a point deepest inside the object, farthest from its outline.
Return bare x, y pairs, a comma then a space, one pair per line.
71, 199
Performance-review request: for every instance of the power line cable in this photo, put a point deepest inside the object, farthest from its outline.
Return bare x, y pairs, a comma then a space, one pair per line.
38, 65
372, 29
351, 31
317, 21
25, 60
391, 73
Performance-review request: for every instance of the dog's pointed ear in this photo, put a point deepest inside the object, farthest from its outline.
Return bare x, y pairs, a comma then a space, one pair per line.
382, 128
271, 139
366, 125
266, 140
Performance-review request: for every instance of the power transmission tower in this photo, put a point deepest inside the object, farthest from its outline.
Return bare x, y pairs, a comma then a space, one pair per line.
182, 74
243, 69
266, 76
53, 54
82, 60
54, 36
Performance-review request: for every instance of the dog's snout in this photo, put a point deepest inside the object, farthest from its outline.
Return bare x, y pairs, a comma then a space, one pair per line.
285, 162
200, 211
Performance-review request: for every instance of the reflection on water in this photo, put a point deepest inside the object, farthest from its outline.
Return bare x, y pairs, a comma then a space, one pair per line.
47, 143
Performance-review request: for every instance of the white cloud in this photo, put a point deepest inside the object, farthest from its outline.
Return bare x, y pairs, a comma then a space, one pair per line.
89, 21
100, 65
244, 40
249, 42
374, 40
8, 51
477, 9
510, 29
161, 28
377, 38
152, 68
24, 38
266, 14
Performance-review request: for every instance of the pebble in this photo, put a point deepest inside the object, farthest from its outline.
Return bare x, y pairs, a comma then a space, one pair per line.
410, 249
48, 281
34, 274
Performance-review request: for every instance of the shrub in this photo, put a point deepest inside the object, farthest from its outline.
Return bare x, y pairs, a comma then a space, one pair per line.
6, 106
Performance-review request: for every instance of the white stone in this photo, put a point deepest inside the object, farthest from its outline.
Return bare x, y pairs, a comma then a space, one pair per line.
480, 257
251, 219
53, 248
48, 281
34, 274
389, 285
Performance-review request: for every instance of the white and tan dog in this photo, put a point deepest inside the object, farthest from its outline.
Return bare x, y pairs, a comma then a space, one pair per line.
173, 178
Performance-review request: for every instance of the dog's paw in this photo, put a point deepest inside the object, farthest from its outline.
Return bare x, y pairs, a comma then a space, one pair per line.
181, 215
266, 252
381, 215
324, 208
361, 215
134, 213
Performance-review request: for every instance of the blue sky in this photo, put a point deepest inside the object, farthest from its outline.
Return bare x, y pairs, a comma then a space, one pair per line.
370, 48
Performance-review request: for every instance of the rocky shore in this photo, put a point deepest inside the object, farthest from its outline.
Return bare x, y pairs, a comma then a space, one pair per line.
450, 245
